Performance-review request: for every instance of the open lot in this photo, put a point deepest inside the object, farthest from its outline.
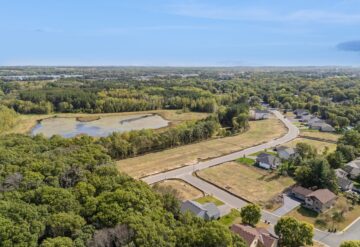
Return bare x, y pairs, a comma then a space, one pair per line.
324, 220
319, 145
320, 135
259, 132
184, 190
27, 122
252, 183
207, 199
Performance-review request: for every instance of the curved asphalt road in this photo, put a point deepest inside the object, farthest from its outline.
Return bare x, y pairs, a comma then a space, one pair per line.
185, 173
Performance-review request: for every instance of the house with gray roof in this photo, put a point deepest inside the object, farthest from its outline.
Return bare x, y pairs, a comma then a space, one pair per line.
353, 168
301, 112
344, 183
207, 211
267, 161
321, 126
261, 114
286, 153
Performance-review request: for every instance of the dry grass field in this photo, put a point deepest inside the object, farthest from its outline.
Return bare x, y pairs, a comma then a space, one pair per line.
319, 145
252, 183
321, 135
259, 132
184, 190
27, 122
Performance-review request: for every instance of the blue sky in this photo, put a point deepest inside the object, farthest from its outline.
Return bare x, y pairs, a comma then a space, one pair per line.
180, 33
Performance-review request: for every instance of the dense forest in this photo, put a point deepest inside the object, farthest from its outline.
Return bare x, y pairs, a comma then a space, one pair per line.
66, 192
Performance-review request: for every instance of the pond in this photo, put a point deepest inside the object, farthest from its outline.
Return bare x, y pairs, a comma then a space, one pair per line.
103, 126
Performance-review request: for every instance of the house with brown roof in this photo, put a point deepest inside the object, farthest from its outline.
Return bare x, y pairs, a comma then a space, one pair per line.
300, 192
255, 237
320, 200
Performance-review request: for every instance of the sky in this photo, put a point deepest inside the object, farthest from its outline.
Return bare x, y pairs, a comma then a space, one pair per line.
180, 33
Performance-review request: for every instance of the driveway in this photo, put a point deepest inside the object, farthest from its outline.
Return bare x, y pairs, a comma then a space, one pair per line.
288, 205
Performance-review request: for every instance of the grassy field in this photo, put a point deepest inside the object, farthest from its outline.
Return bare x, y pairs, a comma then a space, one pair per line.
246, 161
319, 145
321, 135
324, 220
184, 190
259, 132
27, 122
207, 199
252, 183
234, 218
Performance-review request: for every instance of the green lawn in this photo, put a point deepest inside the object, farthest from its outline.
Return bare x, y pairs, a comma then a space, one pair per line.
206, 199
267, 152
231, 218
246, 161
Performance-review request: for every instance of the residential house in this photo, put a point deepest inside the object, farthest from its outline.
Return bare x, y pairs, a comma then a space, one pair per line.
255, 237
320, 200
261, 114
300, 192
344, 183
301, 112
322, 126
286, 153
353, 168
267, 161
315, 120
306, 118
207, 211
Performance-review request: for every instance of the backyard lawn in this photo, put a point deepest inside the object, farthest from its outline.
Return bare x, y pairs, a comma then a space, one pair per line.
321, 135
259, 132
252, 183
319, 145
184, 191
324, 220
207, 199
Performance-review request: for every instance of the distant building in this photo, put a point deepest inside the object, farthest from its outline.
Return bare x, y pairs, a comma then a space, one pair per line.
207, 211
344, 183
260, 114
321, 126
267, 161
286, 153
353, 168
255, 237
319, 200
301, 112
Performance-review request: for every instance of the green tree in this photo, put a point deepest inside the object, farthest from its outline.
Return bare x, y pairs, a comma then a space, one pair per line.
350, 244
250, 214
65, 224
293, 233
57, 242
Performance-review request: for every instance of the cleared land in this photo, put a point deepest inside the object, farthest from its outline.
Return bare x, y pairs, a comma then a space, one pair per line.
320, 135
259, 132
319, 145
27, 122
184, 190
324, 220
252, 183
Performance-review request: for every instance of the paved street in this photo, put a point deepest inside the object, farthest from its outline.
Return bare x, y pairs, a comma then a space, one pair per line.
185, 173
